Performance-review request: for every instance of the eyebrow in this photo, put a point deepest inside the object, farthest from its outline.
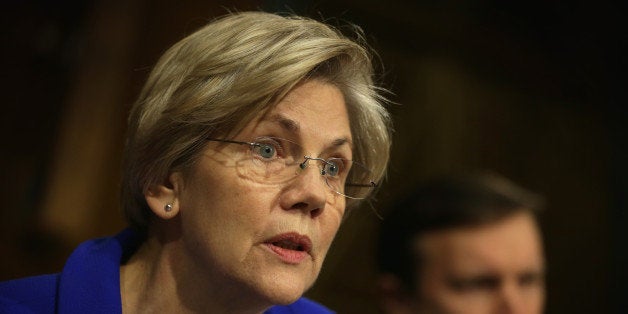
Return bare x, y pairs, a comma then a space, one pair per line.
293, 126
286, 123
342, 141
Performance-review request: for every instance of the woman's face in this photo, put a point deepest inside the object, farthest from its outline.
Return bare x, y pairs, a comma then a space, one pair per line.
258, 240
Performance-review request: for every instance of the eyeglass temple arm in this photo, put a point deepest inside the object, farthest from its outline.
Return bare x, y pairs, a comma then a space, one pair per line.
370, 185
229, 141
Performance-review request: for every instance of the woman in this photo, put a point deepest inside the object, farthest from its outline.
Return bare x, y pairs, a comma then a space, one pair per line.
248, 142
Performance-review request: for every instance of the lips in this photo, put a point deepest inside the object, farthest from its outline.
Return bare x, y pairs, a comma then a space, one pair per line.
291, 248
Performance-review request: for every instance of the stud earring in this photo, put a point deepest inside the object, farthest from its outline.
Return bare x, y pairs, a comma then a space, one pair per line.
168, 208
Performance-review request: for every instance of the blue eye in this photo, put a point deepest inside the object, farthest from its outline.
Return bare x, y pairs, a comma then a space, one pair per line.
333, 167
265, 151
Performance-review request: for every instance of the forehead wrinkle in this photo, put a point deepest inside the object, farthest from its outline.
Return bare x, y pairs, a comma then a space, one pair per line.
294, 127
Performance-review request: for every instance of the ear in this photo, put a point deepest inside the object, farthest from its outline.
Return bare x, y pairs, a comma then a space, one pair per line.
163, 199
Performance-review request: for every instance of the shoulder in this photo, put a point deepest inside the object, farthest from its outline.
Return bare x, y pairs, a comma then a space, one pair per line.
89, 280
301, 306
29, 295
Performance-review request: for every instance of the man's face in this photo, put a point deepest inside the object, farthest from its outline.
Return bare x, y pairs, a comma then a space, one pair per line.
495, 268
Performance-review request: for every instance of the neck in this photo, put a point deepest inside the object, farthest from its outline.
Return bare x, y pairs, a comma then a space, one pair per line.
160, 277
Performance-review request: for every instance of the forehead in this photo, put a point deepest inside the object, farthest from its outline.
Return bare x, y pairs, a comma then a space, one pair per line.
513, 243
313, 109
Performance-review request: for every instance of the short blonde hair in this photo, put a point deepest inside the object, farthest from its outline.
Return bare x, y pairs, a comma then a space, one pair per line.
219, 78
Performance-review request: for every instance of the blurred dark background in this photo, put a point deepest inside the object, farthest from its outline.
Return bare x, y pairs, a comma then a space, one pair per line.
534, 90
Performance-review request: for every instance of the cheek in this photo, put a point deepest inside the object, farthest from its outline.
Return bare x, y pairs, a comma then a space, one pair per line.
328, 227
234, 204
222, 219
216, 200
534, 296
328, 233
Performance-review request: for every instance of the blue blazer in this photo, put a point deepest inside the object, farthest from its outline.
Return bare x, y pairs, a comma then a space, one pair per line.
90, 283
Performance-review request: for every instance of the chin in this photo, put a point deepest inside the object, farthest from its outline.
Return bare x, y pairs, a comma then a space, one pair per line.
285, 290
284, 299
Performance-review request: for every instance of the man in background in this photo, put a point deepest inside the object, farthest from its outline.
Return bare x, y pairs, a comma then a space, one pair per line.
463, 245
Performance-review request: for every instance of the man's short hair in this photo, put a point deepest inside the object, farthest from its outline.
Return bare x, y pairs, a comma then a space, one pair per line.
440, 204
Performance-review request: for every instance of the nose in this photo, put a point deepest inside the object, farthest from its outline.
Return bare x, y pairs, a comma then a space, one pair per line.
307, 192
512, 301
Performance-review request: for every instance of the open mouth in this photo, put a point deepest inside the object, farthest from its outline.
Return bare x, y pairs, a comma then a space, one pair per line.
292, 241
290, 247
